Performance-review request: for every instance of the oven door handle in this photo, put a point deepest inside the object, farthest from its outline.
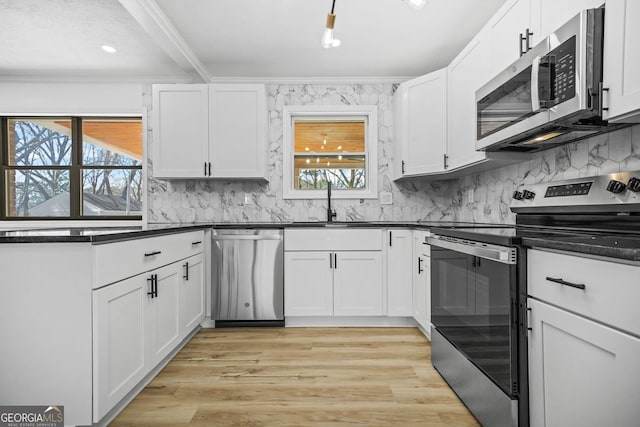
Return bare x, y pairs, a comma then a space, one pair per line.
500, 254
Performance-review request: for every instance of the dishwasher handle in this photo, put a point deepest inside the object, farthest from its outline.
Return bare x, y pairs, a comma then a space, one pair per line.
246, 237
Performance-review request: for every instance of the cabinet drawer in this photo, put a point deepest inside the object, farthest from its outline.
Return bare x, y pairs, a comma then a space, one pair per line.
610, 293
331, 239
119, 260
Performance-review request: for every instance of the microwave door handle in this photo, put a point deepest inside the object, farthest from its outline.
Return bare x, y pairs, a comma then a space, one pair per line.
535, 91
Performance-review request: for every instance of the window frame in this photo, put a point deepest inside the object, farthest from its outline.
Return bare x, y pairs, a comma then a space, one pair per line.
328, 112
75, 169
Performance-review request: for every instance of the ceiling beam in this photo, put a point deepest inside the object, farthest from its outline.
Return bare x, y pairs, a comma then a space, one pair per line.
161, 29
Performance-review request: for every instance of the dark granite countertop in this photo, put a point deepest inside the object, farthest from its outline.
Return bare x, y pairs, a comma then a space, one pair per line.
106, 234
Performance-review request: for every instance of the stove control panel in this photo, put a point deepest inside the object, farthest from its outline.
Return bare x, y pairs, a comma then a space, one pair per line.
613, 193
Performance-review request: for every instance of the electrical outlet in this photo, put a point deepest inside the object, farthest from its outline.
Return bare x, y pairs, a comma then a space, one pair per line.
470, 195
248, 200
386, 198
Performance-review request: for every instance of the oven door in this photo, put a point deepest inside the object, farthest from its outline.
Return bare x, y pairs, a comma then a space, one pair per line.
474, 305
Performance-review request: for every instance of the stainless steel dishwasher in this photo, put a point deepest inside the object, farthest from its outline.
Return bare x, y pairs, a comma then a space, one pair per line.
247, 277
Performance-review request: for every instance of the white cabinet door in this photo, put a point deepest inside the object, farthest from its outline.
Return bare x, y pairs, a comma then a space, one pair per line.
357, 284
421, 278
399, 277
180, 130
622, 60
466, 73
308, 283
162, 313
191, 294
119, 338
581, 373
549, 15
237, 130
422, 126
506, 26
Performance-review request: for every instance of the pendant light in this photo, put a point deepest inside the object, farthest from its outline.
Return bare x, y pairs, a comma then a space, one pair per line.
327, 37
416, 4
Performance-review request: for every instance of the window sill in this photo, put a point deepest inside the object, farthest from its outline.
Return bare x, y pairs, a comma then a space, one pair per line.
20, 224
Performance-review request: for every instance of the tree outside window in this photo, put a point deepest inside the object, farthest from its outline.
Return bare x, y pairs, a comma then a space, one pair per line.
72, 168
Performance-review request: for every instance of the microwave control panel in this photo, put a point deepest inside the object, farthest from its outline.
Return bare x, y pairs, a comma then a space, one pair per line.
563, 71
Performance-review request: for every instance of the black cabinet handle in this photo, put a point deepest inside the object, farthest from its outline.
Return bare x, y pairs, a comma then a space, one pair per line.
420, 269
564, 282
205, 168
150, 281
390, 239
335, 261
152, 253
403, 167
209, 168
446, 164
186, 271
196, 243
330, 260
155, 286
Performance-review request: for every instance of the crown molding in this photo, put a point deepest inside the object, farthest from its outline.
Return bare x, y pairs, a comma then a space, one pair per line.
314, 80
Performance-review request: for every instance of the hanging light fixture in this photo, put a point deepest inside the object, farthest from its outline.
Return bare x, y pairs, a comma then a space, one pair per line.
416, 4
327, 37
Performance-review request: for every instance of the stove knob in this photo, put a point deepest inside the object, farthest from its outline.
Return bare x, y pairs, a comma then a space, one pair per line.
616, 186
529, 195
633, 184
518, 195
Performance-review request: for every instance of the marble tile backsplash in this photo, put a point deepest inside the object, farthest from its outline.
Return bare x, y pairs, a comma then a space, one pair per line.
183, 201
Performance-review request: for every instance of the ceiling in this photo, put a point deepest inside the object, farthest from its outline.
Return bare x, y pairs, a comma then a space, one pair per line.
215, 40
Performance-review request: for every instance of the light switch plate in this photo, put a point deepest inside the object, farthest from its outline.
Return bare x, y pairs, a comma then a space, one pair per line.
470, 195
386, 198
248, 200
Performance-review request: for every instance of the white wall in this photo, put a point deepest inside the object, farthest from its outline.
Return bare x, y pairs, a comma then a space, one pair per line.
104, 99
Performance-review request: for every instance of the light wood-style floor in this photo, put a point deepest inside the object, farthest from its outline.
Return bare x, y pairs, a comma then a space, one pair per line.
299, 377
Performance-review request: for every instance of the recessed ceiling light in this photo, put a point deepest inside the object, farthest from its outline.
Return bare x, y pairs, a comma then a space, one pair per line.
108, 49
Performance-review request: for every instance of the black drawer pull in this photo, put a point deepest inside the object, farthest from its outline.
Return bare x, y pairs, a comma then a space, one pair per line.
196, 243
564, 282
152, 253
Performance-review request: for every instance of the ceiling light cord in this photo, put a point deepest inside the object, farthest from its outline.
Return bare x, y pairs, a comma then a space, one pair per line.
333, 6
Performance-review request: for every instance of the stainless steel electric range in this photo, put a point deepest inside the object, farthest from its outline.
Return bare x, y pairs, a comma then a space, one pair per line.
479, 292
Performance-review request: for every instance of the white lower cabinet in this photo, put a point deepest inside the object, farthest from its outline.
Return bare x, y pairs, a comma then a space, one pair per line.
120, 333
333, 283
581, 373
139, 321
583, 341
399, 273
308, 278
357, 283
191, 294
421, 281
162, 313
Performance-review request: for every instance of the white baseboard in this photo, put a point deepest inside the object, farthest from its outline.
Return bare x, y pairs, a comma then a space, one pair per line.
349, 321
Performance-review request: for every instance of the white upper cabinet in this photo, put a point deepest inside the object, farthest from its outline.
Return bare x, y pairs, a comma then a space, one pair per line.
209, 131
466, 73
180, 130
421, 126
237, 130
507, 27
622, 61
549, 15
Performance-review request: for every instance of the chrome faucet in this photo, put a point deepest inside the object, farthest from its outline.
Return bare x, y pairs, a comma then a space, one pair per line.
331, 214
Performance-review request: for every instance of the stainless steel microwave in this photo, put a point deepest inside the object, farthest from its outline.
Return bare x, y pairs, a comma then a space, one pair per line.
551, 95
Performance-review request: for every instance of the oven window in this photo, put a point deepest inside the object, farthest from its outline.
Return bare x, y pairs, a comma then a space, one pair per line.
471, 301
508, 104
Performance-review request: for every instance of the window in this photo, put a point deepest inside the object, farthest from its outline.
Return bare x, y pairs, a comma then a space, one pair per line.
330, 144
71, 168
